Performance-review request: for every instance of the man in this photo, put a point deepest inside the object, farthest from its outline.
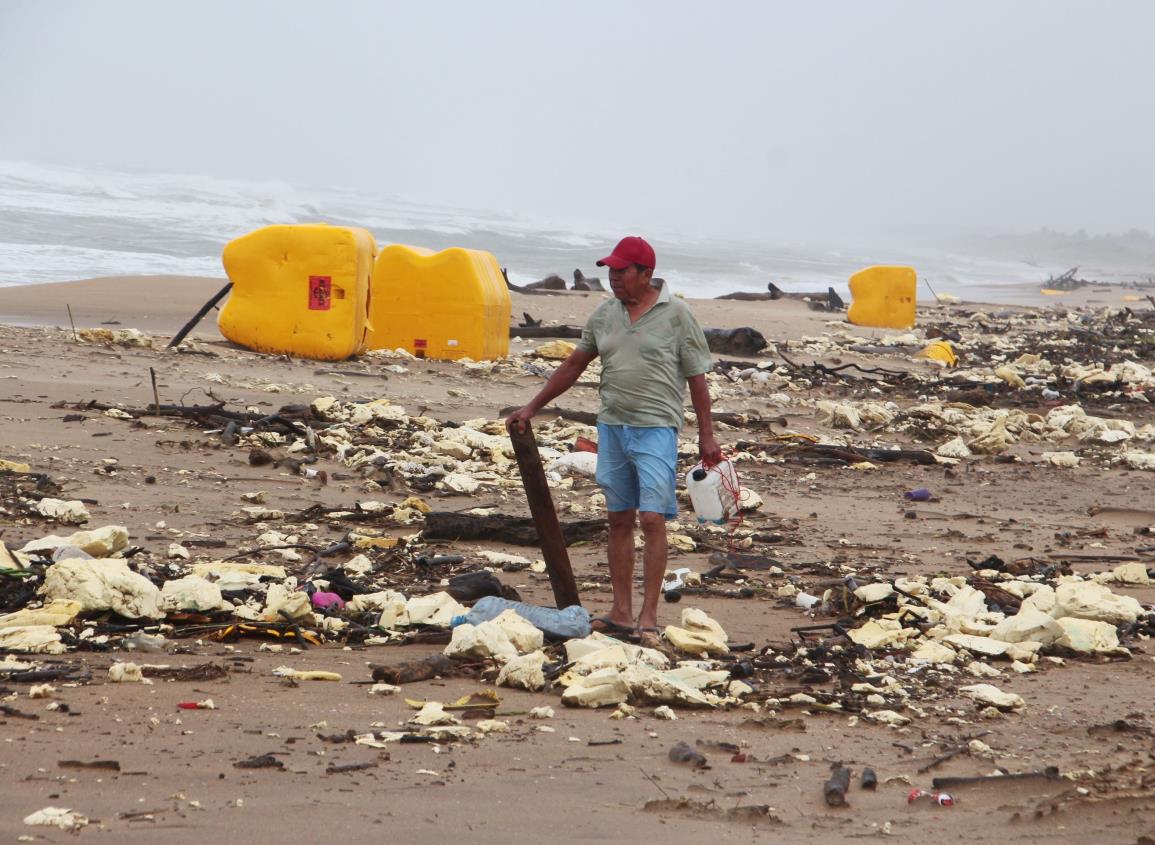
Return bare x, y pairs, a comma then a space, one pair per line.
651, 347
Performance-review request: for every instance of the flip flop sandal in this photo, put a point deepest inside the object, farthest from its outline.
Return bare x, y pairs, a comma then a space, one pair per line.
607, 626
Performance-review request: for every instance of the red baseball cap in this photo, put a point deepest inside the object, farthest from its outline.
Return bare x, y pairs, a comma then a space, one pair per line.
631, 250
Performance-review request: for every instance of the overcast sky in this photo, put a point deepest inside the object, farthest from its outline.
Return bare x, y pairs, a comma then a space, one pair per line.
765, 119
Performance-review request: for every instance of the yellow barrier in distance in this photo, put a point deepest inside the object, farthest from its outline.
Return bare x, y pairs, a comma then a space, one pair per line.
883, 297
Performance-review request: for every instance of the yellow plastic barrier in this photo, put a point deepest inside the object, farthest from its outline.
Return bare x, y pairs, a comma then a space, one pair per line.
301, 290
445, 305
883, 297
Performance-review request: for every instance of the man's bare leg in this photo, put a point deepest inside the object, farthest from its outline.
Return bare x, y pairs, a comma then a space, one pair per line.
654, 559
621, 558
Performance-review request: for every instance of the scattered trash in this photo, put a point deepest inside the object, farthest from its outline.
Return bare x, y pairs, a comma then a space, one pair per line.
525, 671
943, 799
834, 790
698, 635
60, 817
675, 579
685, 755
125, 673
307, 675
262, 761
381, 568
412, 671
713, 491
566, 623
207, 704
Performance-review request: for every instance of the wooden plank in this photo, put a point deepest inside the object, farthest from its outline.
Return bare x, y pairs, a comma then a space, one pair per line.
541, 507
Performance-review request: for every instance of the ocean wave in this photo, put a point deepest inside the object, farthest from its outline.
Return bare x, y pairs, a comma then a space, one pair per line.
67, 223
29, 264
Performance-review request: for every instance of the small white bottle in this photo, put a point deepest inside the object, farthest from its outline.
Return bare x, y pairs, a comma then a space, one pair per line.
713, 492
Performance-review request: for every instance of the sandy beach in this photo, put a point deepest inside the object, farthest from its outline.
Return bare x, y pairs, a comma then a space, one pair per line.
824, 518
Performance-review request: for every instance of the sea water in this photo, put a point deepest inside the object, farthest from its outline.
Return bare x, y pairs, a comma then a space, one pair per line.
60, 223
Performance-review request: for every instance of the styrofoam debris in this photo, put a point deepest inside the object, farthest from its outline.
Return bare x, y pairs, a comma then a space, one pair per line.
992, 696
433, 609
56, 613
72, 512
699, 634
125, 673
98, 542
103, 584
525, 671
60, 817
31, 639
192, 592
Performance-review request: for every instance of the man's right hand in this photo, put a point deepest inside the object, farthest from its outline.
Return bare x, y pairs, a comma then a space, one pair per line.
517, 421
563, 379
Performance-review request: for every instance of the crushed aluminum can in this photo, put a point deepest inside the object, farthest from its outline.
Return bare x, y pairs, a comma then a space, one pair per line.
943, 799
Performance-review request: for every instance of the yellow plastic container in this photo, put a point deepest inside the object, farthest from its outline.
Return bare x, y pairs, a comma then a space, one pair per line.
883, 297
939, 350
445, 305
299, 290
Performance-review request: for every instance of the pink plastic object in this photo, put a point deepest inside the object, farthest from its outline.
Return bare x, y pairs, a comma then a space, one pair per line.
322, 601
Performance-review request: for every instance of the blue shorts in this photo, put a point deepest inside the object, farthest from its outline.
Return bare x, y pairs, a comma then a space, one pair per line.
638, 468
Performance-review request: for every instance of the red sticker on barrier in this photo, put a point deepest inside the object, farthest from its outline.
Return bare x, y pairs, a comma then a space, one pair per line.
320, 293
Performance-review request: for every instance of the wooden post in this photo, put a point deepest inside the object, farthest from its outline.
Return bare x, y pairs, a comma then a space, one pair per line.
553, 548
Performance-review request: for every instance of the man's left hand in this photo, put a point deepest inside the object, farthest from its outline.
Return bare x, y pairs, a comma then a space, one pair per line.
709, 449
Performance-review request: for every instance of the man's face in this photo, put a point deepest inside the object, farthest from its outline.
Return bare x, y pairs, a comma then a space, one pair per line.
630, 283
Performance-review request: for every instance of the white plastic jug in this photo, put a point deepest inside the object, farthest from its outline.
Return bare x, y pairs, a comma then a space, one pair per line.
713, 492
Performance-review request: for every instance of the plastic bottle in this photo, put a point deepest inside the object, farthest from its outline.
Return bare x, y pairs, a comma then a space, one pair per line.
70, 553
568, 623
713, 492
806, 601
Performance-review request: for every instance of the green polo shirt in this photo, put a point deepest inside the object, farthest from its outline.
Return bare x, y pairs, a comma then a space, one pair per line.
645, 365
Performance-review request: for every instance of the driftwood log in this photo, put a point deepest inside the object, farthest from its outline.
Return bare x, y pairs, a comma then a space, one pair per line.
591, 418
829, 301
849, 454
741, 341
545, 331
198, 316
748, 296
548, 283
546, 286
517, 531
584, 282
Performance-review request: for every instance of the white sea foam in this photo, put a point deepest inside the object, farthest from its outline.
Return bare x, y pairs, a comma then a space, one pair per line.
28, 264
59, 223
